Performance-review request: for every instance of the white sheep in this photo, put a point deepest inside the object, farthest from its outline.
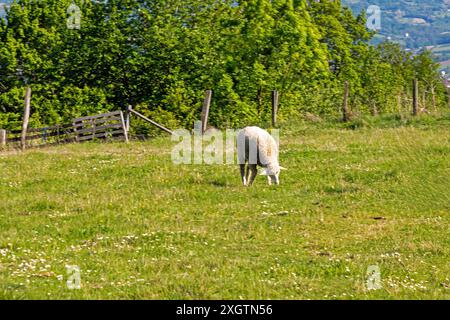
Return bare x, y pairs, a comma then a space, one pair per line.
256, 147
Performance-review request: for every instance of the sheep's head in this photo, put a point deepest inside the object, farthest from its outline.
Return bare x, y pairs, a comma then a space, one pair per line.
273, 172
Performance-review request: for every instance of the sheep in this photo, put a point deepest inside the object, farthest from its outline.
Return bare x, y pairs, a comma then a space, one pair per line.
256, 147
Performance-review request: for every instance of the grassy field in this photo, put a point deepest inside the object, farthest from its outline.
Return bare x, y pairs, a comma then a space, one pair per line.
140, 227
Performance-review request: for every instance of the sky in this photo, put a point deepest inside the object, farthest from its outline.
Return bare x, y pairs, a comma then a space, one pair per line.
2, 5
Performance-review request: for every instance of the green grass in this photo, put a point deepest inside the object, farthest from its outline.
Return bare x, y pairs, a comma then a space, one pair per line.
140, 227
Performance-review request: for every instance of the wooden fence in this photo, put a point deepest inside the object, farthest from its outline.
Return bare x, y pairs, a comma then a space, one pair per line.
107, 125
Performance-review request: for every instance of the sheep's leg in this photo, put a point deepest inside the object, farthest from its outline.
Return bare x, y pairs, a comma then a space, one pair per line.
269, 180
247, 174
243, 176
254, 172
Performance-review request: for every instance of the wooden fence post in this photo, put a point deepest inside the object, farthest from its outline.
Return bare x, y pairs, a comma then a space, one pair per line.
345, 112
26, 117
124, 126
128, 118
275, 100
2, 138
415, 97
205, 110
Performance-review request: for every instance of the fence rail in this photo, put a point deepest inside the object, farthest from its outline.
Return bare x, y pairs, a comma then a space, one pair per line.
101, 126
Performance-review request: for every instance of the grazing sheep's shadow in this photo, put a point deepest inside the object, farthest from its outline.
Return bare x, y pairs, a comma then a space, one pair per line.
219, 183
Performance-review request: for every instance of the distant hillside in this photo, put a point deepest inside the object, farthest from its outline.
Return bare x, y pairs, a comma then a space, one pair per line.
414, 24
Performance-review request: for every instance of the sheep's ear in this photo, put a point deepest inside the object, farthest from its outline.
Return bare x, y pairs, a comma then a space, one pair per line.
282, 168
263, 172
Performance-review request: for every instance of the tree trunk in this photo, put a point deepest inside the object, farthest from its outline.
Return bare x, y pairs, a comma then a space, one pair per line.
433, 99
2, 138
424, 100
415, 97
374, 110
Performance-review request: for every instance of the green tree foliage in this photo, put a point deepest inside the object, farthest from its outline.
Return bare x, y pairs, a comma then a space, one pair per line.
160, 56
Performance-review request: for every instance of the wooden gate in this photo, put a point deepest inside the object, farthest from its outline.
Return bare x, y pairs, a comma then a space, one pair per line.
102, 126
105, 125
